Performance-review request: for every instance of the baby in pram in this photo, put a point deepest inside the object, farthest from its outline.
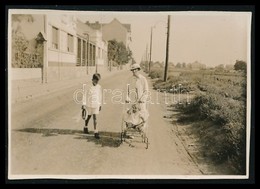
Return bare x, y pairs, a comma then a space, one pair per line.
135, 117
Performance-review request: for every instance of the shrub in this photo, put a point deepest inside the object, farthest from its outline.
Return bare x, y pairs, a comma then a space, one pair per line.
156, 73
225, 107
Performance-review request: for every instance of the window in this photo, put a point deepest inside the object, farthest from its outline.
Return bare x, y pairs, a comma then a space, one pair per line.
94, 55
70, 43
55, 38
90, 55
84, 53
79, 53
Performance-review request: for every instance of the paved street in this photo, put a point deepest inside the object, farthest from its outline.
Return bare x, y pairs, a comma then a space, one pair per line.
47, 139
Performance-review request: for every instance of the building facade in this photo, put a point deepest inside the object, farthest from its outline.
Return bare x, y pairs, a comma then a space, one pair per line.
60, 44
114, 30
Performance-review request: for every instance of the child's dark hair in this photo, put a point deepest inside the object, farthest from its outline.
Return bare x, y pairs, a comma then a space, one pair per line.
96, 76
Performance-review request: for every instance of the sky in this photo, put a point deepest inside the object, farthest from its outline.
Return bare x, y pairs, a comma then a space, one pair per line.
211, 38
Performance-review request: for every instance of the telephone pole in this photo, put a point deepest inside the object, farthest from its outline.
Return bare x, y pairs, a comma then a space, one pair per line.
151, 42
45, 54
146, 58
167, 49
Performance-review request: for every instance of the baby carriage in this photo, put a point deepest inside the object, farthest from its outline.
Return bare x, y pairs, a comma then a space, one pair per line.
134, 123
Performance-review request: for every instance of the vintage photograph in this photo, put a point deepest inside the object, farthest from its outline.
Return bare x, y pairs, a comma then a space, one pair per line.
129, 95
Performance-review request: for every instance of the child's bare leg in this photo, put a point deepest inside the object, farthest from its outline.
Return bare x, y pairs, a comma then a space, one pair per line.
87, 120
86, 124
95, 121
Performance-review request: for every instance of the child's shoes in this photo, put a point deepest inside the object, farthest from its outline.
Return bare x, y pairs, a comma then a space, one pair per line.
85, 130
97, 135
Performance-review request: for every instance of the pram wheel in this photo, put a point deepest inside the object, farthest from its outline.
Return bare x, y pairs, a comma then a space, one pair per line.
145, 140
122, 137
133, 133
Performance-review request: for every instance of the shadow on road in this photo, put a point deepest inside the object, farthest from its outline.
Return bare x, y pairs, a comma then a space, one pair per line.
107, 139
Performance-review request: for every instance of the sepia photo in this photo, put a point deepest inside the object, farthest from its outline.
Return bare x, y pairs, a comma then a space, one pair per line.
129, 95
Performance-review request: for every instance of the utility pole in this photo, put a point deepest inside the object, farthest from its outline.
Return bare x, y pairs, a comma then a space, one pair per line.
151, 42
96, 68
167, 49
45, 52
95, 59
146, 57
87, 51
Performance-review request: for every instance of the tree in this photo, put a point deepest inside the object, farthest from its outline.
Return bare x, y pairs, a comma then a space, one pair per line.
220, 67
17, 19
112, 50
20, 44
124, 54
117, 52
189, 66
20, 17
240, 65
178, 65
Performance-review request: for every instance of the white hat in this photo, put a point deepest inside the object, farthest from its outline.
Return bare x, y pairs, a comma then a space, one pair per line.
135, 66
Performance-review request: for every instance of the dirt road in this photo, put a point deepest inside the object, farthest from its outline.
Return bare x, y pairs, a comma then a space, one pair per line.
47, 140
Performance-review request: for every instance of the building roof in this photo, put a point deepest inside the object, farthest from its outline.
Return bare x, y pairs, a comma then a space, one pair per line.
85, 31
128, 27
97, 26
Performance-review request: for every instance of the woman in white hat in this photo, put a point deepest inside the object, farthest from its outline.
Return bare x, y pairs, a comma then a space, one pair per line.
138, 91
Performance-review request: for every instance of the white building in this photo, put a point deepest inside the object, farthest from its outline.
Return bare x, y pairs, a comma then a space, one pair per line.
61, 35
59, 44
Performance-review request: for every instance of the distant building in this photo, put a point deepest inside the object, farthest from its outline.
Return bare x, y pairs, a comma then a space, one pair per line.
114, 30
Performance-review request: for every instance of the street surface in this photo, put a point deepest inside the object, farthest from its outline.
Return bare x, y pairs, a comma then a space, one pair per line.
46, 135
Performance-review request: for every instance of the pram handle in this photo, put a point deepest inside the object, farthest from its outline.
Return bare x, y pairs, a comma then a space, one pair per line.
139, 100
